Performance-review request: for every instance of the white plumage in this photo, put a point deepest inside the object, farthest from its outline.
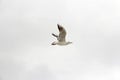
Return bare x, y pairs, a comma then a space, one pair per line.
61, 37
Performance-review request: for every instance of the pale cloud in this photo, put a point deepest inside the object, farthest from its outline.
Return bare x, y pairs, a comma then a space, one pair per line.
25, 40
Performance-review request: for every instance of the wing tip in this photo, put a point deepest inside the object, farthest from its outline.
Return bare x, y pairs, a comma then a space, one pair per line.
60, 27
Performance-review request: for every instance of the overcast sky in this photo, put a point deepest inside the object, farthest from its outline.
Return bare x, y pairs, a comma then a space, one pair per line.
26, 52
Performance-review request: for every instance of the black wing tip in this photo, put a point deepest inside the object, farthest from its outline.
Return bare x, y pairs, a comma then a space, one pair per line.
58, 24
59, 27
53, 34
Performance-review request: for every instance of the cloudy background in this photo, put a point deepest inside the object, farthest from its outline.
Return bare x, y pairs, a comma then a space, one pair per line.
25, 38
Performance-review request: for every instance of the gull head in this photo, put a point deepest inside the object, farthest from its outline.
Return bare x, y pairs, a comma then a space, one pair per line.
54, 43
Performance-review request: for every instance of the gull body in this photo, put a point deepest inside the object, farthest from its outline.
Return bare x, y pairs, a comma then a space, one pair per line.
61, 37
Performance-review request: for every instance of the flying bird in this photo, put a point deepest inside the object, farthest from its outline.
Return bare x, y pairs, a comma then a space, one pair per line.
61, 37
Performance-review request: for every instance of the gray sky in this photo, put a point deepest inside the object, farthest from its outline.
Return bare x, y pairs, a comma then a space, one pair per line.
25, 40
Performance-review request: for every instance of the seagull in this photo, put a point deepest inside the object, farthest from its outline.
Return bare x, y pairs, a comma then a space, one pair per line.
61, 37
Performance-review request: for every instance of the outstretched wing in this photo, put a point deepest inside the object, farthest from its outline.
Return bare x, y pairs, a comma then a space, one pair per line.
62, 33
